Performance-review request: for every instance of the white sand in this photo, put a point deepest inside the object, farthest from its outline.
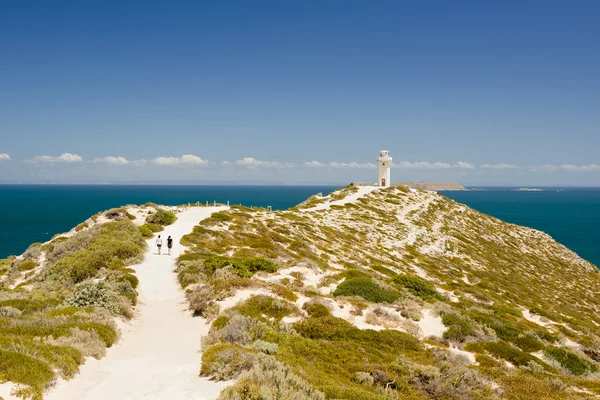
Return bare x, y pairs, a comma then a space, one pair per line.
528, 315
158, 356
5, 390
431, 325
352, 198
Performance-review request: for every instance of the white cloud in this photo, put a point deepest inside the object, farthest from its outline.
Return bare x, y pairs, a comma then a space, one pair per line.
334, 164
543, 168
314, 164
498, 166
187, 159
63, 158
433, 165
565, 167
351, 165
581, 168
422, 165
250, 162
4, 157
464, 165
112, 160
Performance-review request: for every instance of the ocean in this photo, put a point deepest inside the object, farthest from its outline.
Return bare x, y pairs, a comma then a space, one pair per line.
35, 213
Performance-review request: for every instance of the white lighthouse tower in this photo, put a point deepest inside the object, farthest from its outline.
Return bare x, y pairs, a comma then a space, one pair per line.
385, 162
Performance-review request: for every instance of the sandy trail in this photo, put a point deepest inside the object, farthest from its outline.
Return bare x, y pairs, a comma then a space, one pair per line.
352, 198
158, 356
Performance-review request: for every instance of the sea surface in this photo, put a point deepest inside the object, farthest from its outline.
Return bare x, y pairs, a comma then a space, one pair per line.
35, 213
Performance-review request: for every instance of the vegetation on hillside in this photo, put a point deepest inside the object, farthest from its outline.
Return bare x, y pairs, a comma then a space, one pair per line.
357, 287
58, 301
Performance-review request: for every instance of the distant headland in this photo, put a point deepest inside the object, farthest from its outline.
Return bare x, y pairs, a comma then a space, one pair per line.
431, 186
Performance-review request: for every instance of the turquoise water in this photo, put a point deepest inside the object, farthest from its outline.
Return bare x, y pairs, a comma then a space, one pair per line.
34, 213
570, 215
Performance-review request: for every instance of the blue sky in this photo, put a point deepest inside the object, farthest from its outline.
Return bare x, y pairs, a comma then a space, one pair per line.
300, 91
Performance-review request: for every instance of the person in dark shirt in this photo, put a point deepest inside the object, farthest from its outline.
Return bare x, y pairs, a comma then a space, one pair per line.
169, 244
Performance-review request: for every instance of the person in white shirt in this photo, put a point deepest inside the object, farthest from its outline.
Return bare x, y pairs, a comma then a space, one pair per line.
159, 244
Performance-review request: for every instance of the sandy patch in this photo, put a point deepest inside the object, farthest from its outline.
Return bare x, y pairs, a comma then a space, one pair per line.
352, 198
431, 325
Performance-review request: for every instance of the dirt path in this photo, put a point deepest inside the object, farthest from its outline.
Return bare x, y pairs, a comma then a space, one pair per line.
158, 356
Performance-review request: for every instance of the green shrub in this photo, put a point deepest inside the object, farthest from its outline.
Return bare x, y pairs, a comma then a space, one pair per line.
65, 359
255, 264
121, 240
265, 347
367, 289
4, 266
107, 335
317, 310
69, 310
262, 306
162, 217
226, 361
284, 292
459, 328
152, 228
29, 306
244, 267
27, 265
90, 294
146, 231
267, 375
26, 370
528, 343
324, 328
501, 309
417, 286
330, 365
508, 331
240, 329
132, 279
220, 322
506, 352
572, 362
189, 257
383, 270
220, 216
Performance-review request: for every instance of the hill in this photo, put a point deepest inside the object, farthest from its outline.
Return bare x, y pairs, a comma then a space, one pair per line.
391, 293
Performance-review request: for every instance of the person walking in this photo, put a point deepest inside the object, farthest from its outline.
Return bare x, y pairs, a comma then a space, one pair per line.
169, 244
159, 244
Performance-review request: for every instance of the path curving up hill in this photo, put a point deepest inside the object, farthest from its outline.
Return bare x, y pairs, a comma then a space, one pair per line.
158, 356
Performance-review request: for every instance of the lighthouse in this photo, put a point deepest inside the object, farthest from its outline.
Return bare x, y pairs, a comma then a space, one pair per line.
385, 162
